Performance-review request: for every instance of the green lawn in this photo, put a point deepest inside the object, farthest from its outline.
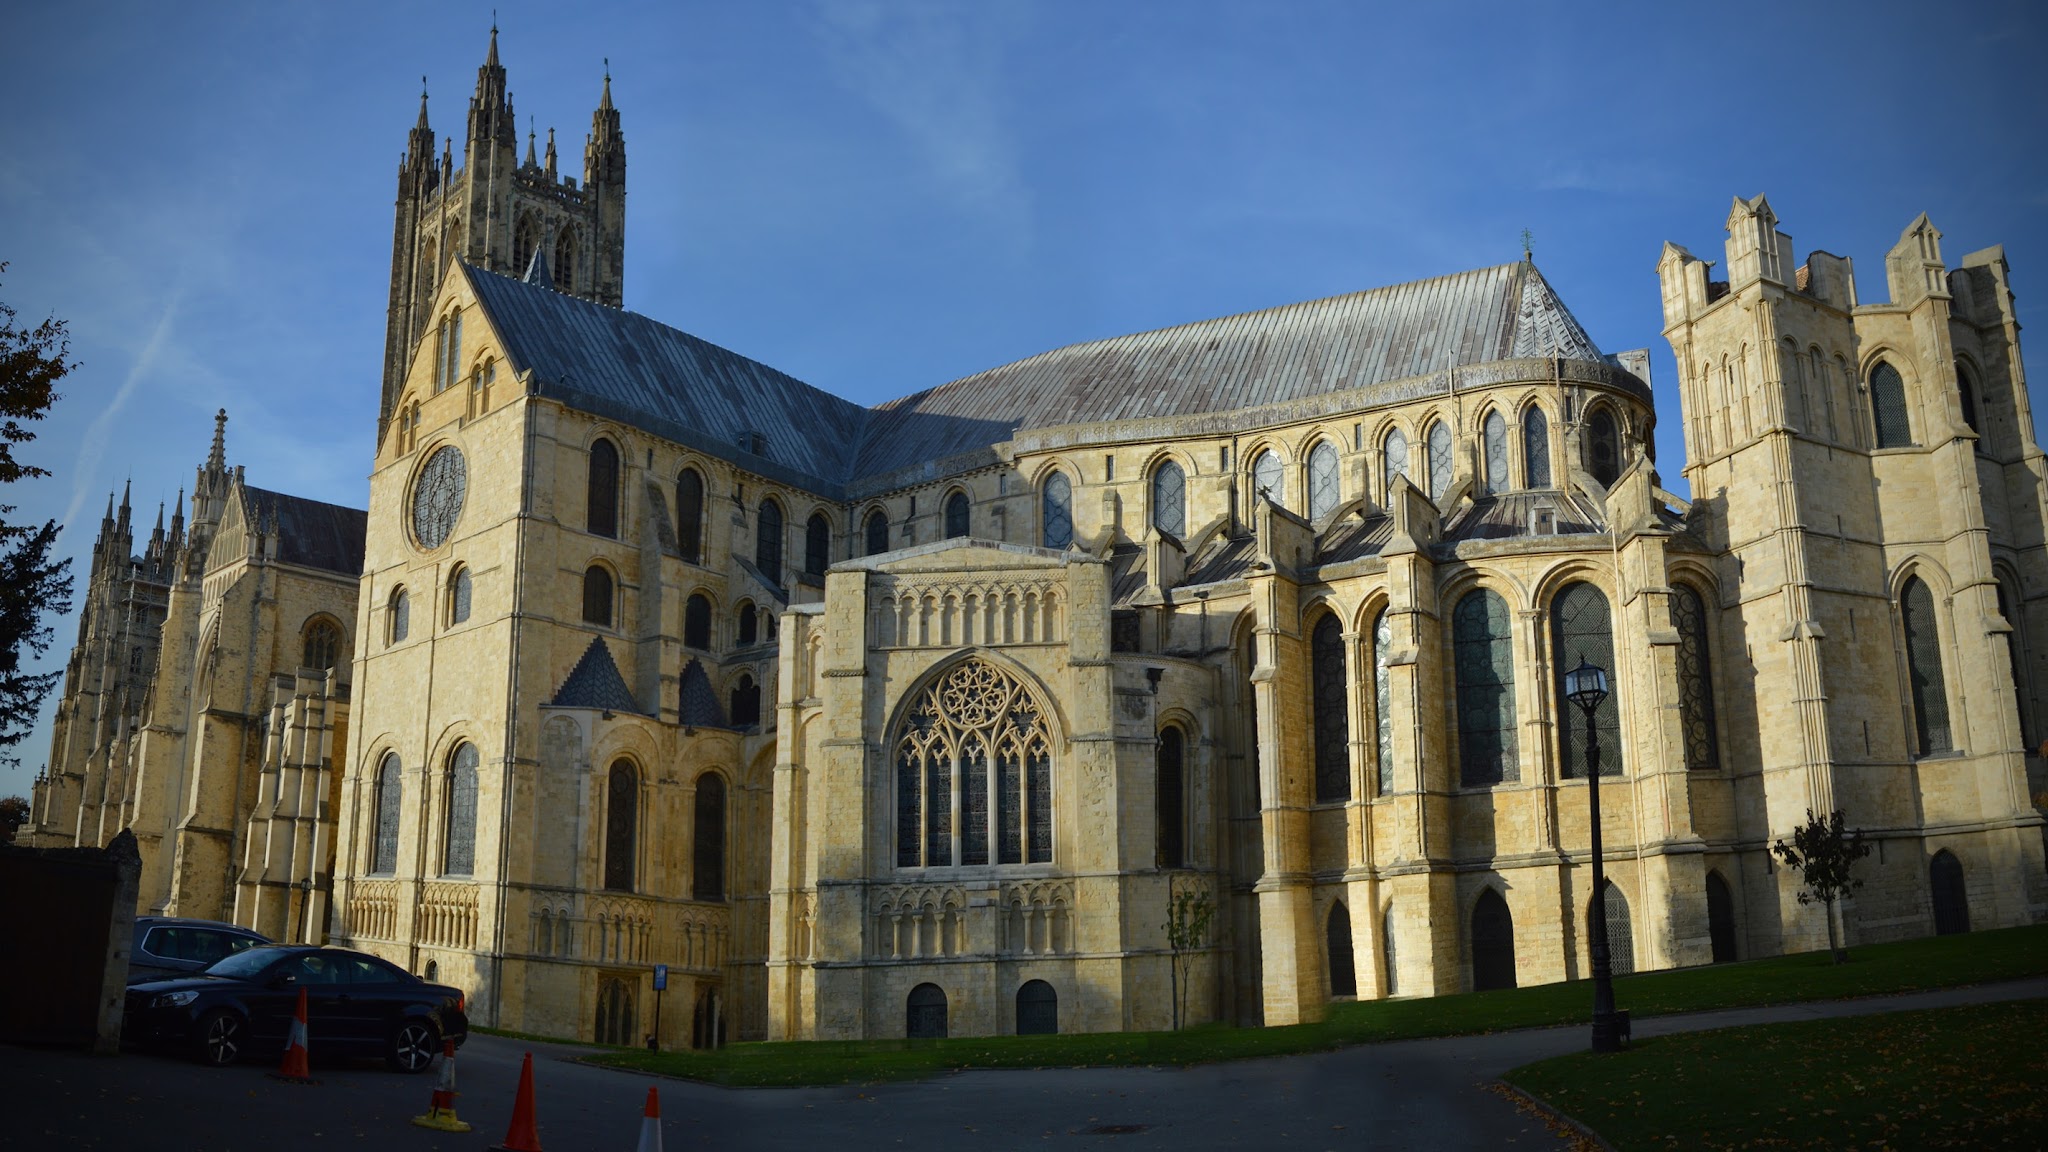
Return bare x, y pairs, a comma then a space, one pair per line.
1872, 970
1950, 1078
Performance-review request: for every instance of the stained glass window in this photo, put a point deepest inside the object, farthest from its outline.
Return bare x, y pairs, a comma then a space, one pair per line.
458, 596
745, 708
1888, 407
1439, 460
621, 826
974, 804
1168, 799
768, 542
1581, 626
1324, 491
601, 502
1603, 447
1923, 665
597, 596
1396, 459
1483, 655
459, 855
938, 819
390, 802
707, 881
1695, 677
1267, 478
1057, 511
750, 627
908, 808
1038, 773
1535, 448
1496, 437
1383, 700
1170, 500
976, 720
877, 532
690, 515
697, 622
1009, 807
1332, 724
817, 544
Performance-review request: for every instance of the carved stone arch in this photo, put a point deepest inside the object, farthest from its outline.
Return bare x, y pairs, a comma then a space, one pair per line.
1376, 600
1046, 701
1518, 595
1568, 571
1928, 569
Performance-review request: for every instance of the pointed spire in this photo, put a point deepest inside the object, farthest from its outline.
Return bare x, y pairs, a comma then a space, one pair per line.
530, 162
605, 104
217, 457
491, 61
551, 154
159, 518
108, 519
423, 103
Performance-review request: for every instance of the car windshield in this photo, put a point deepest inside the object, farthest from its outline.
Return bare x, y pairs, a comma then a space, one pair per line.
243, 965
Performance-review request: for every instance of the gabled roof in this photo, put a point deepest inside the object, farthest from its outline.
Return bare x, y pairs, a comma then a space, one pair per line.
310, 533
627, 367
595, 683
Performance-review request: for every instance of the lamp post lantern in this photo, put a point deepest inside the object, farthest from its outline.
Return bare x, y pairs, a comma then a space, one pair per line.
1586, 686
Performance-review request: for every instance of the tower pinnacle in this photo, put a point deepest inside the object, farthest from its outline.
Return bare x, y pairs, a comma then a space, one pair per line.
217, 456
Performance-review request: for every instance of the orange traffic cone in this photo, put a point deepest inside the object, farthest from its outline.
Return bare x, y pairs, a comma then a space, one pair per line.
650, 1123
521, 1136
295, 1068
441, 1112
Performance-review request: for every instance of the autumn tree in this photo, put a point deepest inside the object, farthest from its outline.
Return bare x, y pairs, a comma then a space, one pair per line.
32, 584
1823, 852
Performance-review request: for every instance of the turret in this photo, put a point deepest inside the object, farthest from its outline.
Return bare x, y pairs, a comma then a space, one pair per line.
1913, 267
604, 178
1756, 249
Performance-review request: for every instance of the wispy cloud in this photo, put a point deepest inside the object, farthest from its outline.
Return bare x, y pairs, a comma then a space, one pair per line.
92, 447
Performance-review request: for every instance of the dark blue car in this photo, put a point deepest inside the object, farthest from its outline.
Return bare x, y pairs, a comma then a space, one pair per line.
241, 1007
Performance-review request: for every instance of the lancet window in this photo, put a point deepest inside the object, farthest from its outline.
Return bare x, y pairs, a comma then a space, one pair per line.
1582, 627
1535, 448
1495, 436
1396, 459
1057, 511
1267, 478
877, 532
1923, 667
956, 515
976, 743
1695, 677
1888, 407
1332, 723
817, 544
390, 802
1170, 500
1483, 652
601, 500
1603, 447
1439, 460
1383, 700
1324, 491
690, 515
458, 857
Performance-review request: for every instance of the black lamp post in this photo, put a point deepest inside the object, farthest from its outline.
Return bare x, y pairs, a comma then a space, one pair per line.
1586, 686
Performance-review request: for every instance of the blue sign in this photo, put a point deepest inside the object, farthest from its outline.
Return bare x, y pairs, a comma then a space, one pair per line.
660, 977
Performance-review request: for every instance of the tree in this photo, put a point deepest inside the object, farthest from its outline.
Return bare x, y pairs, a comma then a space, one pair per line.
1822, 852
13, 814
1188, 912
32, 360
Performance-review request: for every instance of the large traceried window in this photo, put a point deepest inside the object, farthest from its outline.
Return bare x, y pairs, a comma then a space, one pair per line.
322, 646
768, 542
1396, 456
1923, 668
690, 516
1440, 467
1056, 511
390, 801
1324, 489
458, 856
1269, 478
1535, 448
1888, 407
1383, 700
876, 531
1695, 677
601, 501
1494, 434
974, 732
621, 826
1170, 500
956, 515
1582, 627
1332, 723
1483, 654
1603, 447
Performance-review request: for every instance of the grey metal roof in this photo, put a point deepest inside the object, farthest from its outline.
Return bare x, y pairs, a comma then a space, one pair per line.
1510, 514
625, 366
595, 683
310, 533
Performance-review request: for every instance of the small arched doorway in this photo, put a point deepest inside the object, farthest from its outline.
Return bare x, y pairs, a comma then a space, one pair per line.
1038, 1009
1343, 972
1621, 937
925, 1013
1493, 943
1720, 918
1951, 902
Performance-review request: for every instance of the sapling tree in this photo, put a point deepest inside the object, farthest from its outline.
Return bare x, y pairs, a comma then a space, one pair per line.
1823, 852
1188, 912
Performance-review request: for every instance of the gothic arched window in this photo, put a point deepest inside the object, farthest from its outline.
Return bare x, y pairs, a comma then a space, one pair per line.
458, 595
1332, 723
817, 544
621, 826
1603, 447
976, 730
1169, 802
1621, 938
1695, 677
1582, 627
525, 238
768, 542
564, 271
690, 515
956, 515
877, 532
390, 802
1923, 667
1337, 945
322, 646
707, 880
597, 596
1535, 448
1324, 489
1440, 467
1494, 435
1170, 500
1493, 943
1482, 649
1268, 478
1383, 700
601, 502
1396, 453
1056, 511
401, 615
458, 853
1888, 407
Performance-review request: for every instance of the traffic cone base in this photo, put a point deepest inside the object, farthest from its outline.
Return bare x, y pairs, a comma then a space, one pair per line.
441, 1111
296, 1069
521, 1135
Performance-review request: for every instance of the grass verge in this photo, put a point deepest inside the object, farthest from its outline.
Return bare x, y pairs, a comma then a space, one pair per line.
1875, 969
1948, 1078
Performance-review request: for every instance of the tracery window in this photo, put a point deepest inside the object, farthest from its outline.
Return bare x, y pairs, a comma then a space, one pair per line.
1923, 667
1494, 434
621, 825
1483, 654
877, 532
1581, 626
458, 854
707, 881
1396, 459
690, 516
1169, 798
1324, 490
601, 502
1170, 500
817, 544
768, 542
401, 615
1268, 477
697, 622
1888, 407
1332, 723
1603, 447
597, 596
323, 645
956, 515
976, 722
458, 596
1439, 460
390, 802
1695, 677
1535, 448
1383, 700
1056, 511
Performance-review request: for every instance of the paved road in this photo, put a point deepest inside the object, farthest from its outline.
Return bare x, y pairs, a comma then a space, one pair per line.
1422, 1094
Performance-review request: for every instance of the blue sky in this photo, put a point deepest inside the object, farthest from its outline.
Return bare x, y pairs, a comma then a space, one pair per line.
881, 197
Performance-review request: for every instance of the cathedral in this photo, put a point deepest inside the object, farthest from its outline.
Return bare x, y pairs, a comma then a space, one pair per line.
933, 717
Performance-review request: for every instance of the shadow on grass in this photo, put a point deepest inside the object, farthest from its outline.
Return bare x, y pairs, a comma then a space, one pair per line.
1876, 969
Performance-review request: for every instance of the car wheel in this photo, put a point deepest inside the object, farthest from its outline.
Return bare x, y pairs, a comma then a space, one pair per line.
413, 1046
222, 1036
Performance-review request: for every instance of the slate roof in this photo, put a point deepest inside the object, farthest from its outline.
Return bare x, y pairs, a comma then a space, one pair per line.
1509, 514
627, 367
311, 534
697, 701
595, 683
